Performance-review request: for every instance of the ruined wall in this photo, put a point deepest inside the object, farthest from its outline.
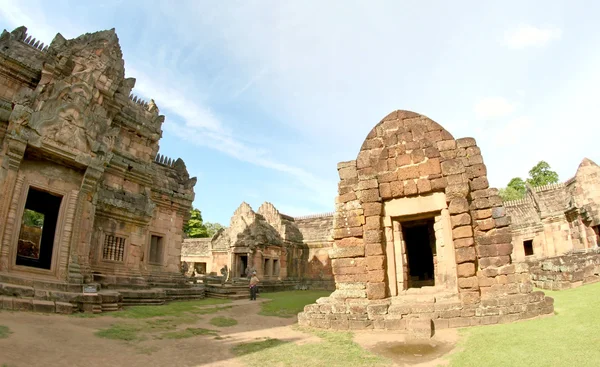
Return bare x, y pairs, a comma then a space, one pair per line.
410, 167
566, 271
557, 218
317, 234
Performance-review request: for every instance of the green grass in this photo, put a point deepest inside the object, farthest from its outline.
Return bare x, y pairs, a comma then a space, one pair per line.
569, 338
4, 332
223, 321
334, 350
289, 303
187, 333
178, 308
126, 332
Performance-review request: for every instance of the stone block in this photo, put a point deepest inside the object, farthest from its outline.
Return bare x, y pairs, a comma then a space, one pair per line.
431, 167
479, 183
481, 203
446, 145
458, 206
372, 208
439, 184
417, 156
375, 276
408, 173
368, 196
44, 306
376, 290
373, 223
339, 324
367, 184
385, 190
360, 324
354, 251
482, 214
347, 173
502, 222
462, 232
395, 324
403, 160
375, 262
452, 167
420, 328
498, 212
423, 186
469, 298
341, 233
373, 249
495, 261
410, 188
22, 304
462, 219
465, 254
440, 324
477, 170
432, 152
465, 142
468, 283
397, 189
465, 270
464, 242
6, 303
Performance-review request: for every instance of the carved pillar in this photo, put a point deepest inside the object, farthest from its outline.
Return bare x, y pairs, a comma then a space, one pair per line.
14, 155
80, 241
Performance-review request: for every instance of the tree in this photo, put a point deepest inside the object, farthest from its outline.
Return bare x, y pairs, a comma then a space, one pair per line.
541, 175
514, 190
194, 227
212, 228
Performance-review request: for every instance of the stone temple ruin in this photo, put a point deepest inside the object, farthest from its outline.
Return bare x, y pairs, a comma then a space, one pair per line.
556, 230
87, 201
285, 252
421, 240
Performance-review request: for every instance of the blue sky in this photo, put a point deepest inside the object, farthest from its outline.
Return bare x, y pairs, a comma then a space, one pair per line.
263, 98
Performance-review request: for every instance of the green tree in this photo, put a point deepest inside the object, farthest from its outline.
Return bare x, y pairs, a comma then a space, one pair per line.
212, 228
541, 174
32, 218
195, 228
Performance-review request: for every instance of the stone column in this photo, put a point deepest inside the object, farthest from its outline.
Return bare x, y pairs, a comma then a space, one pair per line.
14, 156
82, 229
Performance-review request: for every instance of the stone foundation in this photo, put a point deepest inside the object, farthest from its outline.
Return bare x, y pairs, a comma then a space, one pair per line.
567, 271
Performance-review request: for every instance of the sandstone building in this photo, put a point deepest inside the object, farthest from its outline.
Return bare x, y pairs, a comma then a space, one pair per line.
420, 239
555, 219
84, 195
276, 246
556, 230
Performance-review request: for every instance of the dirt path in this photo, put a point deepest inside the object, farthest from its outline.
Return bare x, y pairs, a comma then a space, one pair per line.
54, 340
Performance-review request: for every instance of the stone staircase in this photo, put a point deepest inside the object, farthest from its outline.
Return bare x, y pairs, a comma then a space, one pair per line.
237, 289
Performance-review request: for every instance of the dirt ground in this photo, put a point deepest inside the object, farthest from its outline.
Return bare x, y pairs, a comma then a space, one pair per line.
54, 340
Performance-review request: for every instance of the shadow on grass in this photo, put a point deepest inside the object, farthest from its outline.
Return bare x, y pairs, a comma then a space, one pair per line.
222, 321
255, 347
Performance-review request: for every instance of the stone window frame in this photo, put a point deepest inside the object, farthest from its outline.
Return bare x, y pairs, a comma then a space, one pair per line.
149, 243
105, 233
62, 234
525, 239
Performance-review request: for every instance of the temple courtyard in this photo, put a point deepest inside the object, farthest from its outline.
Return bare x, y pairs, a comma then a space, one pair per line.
214, 332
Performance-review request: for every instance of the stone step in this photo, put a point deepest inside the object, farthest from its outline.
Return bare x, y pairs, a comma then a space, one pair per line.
35, 305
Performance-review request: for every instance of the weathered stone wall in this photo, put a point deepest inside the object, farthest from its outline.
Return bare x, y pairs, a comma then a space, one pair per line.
409, 166
317, 234
558, 218
566, 271
70, 126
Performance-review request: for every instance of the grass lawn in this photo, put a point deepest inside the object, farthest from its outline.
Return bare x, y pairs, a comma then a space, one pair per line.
223, 321
569, 338
289, 303
335, 349
4, 332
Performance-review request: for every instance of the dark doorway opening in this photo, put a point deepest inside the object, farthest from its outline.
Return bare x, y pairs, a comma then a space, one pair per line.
38, 227
528, 247
276, 267
156, 250
419, 238
243, 269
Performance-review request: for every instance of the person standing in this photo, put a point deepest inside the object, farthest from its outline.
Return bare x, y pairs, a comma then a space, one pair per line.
253, 286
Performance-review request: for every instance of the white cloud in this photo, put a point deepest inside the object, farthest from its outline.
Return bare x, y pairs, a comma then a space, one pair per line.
528, 36
493, 107
513, 132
